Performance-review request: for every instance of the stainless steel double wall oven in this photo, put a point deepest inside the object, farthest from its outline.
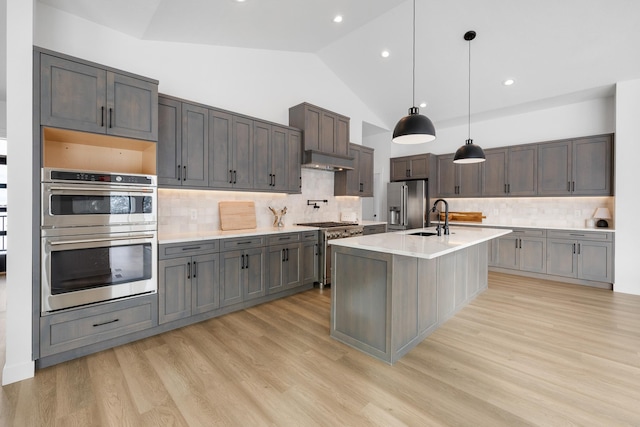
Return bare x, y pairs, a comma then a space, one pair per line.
98, 237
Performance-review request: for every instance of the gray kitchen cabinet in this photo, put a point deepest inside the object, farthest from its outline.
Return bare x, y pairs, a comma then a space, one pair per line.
242, 269
310, 257
73, 329
374, 229
458, 180
231, 156
188, 280
411, 167
579, 167
183, 144
523, 249
322, 130
285, 267
276, 158
359, 181
242, 153
510, 171
581, 255
75, 94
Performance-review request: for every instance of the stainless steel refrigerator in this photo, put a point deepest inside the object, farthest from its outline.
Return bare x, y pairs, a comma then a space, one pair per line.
407, 205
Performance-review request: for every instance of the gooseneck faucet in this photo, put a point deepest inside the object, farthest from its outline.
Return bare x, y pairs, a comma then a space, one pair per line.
446, 217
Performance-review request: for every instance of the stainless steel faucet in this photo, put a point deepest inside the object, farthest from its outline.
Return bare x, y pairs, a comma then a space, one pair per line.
446, 217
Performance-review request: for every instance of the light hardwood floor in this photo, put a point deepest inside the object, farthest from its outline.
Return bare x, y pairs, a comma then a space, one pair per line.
525, 352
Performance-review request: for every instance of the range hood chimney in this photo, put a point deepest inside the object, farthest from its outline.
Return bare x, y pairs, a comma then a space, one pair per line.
313, 159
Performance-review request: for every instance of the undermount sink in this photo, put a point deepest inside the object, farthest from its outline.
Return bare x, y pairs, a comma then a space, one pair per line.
424, 233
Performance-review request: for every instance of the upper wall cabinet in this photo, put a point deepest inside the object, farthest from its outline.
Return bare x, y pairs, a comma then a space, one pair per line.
510, 171
276, 158
411, 167
322, 130
458, 180
82, 96
579, 167
359, 181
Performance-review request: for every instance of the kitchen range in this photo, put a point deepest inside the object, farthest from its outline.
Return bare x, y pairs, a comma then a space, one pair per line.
98, 233
330, 230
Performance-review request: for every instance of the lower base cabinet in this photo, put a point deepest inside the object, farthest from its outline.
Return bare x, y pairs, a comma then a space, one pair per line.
285, 267
523, 250
310, 257
374, 229
587, 256
242, 275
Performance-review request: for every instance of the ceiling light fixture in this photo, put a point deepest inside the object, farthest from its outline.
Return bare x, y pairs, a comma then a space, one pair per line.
384, 53
508, 82
469, 152
414, 128
337, 19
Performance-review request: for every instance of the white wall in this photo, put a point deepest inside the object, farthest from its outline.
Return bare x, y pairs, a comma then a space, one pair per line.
3, 119
627, 202
18, 361
259, 83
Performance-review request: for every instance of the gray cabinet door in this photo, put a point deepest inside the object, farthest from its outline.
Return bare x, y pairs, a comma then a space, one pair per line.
292, 276
365, 166
231, 276
522, 177
494, 176
533, 254
561, 257
505, 252
174, 289
169, 145
279, 155
328, 126
554, 169
595, 261
342, 136
254, 280
469, 179
132, 107
419, 167
242, 153
353, 176
195, 146
312, 128
262, 160
591, 166
310, 261
205, 279
275, 261
294, 161
220, 149
447, 177
400, 169
72, 95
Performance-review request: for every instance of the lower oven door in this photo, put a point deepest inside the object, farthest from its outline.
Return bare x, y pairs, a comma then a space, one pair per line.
86, 269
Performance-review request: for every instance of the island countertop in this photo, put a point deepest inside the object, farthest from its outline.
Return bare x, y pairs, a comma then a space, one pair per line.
426, 247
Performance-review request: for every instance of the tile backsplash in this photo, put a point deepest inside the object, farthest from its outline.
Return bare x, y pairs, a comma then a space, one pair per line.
570, 212
197, 210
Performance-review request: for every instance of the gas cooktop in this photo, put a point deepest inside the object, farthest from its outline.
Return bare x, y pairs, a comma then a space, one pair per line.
327, 224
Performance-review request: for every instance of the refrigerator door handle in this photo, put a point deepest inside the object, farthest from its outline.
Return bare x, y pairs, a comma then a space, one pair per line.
405, 198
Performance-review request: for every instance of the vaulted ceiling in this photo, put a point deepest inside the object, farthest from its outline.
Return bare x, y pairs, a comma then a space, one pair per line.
557, 51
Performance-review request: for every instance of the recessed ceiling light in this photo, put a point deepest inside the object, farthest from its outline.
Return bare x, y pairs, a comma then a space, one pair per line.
337, 19
423, 104
240, 1
508, 82
384, 53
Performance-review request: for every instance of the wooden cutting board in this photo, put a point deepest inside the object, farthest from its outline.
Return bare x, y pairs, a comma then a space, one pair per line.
464, 216
237, 215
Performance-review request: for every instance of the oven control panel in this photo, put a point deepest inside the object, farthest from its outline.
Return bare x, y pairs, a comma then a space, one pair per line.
65, 175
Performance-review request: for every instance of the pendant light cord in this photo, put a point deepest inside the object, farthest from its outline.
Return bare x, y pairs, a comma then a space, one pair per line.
414, 53
469, 106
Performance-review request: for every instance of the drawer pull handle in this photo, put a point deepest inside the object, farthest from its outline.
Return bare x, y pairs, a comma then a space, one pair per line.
243, 243
95, 325
191, 248
285, 238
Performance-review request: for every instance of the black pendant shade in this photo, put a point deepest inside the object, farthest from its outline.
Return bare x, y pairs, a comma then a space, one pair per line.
469, 153
414, 129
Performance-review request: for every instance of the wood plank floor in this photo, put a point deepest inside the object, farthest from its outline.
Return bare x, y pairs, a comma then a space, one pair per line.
525, 352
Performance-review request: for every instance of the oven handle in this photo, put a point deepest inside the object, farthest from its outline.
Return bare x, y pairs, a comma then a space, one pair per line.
104, 189
106, 239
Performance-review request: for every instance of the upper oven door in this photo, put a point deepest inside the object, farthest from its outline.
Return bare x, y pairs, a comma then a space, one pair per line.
71, 205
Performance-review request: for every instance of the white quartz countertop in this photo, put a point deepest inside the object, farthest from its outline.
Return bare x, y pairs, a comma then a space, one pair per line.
166, 238
535, 227
403, 243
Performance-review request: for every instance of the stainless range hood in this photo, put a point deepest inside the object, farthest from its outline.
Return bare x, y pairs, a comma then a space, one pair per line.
313, 159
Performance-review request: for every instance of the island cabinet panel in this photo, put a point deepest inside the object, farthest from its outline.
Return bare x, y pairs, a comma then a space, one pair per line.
385, 304
81, 96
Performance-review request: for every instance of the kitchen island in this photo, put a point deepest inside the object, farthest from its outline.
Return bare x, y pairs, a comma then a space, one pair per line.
390, 291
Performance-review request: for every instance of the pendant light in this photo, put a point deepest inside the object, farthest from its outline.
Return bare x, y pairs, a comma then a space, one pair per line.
469, 152
414, 128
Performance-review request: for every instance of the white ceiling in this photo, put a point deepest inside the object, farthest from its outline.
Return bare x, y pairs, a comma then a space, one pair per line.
558, 51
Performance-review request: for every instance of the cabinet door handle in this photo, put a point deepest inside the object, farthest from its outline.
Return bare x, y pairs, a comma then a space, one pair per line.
520, 243
574, 248
579, 248
270, 180
195, 269
191, 248
235, 176
95, 325
247, 261
230, 176
505, 188
242, 262
282, 258
184, 178
179, 173
316, 251
110, 117
573, 186
102, 116
188, 270
274, 180
361, 187
287, 254
569, 186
